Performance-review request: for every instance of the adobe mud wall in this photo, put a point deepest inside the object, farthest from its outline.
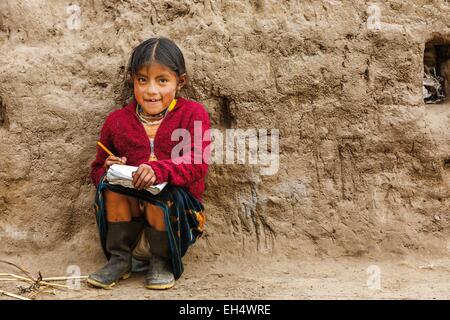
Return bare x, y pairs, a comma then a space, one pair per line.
364, 163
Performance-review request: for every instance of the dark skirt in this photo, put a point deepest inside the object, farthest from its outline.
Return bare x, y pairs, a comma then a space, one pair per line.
183, 215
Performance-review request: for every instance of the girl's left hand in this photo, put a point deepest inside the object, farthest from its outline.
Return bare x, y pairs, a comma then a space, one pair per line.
143, 177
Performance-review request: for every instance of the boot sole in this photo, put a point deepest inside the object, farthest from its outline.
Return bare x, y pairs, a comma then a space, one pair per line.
160, 286
107, 286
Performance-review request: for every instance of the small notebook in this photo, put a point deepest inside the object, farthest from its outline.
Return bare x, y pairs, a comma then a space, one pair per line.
122, 175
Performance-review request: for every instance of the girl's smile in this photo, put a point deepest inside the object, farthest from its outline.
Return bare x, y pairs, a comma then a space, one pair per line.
155, 87
151, 102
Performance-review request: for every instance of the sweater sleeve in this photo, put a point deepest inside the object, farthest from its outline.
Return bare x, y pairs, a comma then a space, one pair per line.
97, 168
190, 166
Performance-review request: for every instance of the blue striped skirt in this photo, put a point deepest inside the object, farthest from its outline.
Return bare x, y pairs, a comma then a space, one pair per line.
183, 215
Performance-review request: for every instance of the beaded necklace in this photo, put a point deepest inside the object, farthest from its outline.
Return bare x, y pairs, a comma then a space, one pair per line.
153, 121
149, 119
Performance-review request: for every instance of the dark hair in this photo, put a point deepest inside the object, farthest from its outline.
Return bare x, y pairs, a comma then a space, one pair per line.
161, 50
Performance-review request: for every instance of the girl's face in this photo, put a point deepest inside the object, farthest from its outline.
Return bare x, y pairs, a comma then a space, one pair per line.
155, 87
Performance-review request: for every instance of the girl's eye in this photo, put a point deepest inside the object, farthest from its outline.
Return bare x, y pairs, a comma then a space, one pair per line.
141, 80
163, 80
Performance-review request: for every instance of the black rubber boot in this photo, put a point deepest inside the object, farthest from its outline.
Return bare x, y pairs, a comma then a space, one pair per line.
159, 275
120, 240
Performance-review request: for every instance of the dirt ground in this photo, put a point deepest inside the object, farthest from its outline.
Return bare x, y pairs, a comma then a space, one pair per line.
286, 279
408, 277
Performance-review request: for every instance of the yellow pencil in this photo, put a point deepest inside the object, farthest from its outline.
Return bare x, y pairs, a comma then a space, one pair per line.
109, 152
105, 148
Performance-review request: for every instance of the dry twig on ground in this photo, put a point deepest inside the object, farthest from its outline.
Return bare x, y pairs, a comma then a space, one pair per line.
37, 285
12, 295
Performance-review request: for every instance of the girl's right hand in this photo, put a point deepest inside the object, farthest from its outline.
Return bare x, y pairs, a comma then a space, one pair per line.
114, 160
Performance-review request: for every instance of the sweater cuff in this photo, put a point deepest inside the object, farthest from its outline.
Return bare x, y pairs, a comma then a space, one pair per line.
158, 172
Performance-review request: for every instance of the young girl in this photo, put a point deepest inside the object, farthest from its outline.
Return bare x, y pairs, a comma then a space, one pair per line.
140, 134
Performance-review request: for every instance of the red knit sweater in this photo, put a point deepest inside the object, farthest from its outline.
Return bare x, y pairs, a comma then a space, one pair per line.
124, 135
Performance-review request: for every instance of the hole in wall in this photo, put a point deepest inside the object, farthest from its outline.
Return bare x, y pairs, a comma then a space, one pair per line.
447, 163
436, 68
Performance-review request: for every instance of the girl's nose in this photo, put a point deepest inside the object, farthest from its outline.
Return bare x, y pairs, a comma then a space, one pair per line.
151, 87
